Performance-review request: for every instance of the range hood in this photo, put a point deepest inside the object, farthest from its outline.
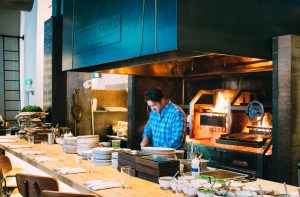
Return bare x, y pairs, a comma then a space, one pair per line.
173, 38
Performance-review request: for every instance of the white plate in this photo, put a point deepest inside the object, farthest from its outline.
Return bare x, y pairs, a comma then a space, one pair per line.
103, 150
158, 149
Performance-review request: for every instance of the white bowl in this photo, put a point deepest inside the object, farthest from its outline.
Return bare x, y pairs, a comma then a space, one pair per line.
187, 178
164, 181
204, 194
105, 144
245, 193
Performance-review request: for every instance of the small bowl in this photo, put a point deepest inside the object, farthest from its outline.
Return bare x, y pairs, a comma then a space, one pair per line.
105, 144
201, 193
164, 181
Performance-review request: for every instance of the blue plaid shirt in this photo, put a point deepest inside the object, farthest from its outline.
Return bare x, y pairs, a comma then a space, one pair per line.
167, 128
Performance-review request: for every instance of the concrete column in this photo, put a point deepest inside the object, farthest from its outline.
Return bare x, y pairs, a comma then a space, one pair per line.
286, 108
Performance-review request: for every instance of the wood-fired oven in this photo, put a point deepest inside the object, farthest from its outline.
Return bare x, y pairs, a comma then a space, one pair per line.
232, 129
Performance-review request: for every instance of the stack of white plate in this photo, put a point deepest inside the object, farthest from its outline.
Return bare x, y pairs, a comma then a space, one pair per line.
102, 156
159, 151
70, 145
86, 142
86, 154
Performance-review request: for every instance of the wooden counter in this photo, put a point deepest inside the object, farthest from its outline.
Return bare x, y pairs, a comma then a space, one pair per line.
106, 173
139, 187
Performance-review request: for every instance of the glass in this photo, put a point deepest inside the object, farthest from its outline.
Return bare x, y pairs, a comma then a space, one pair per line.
18, 137
61, 153
30, 141
8, 132
116, 143
92, 166
44, 147
126, 177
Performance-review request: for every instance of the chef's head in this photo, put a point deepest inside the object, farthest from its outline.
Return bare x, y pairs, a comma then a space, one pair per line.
155, 99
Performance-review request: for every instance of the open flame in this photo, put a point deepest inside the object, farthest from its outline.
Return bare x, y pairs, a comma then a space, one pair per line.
222, 103
266, 121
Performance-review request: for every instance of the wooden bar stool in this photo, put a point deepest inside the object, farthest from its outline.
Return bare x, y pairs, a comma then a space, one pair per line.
32, 185
47, 193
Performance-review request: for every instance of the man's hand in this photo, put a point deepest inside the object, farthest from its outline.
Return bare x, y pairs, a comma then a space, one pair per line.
145, 141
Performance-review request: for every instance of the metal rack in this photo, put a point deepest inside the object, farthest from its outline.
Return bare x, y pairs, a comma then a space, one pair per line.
11, 76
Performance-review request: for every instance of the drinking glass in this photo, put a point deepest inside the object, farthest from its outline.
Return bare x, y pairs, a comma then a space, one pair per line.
116, 143
18, 137
30, 141
92, 166
44, 147
8, 132
125, 174
61, 153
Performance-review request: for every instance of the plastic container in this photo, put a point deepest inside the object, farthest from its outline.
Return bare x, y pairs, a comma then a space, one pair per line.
195, 167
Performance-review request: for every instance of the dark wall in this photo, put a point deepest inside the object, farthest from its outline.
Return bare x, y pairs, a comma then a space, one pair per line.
137, 107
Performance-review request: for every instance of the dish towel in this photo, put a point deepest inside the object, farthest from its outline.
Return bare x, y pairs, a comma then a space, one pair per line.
43, 159
31, 152
99, 184
15, 146
68, 170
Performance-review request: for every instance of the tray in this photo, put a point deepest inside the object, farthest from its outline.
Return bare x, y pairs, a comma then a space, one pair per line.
224, 174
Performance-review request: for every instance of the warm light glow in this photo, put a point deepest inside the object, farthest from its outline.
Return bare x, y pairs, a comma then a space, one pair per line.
222, 103
265, 122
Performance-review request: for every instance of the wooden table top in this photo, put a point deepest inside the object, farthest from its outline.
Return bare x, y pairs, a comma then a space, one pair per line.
139, 187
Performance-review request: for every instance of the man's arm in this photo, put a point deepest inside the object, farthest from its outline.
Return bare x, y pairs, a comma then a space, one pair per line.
147, 135
145, 141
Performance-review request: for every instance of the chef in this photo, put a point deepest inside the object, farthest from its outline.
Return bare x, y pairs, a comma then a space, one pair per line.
166, 126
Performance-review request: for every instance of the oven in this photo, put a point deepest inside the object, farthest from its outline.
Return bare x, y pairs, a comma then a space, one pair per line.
232, 129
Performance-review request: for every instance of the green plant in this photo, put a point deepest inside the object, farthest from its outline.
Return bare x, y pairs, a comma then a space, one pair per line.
32, 108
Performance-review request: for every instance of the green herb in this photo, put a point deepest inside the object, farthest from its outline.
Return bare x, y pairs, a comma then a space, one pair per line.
219, 181
206, 191
203, 177
31, 108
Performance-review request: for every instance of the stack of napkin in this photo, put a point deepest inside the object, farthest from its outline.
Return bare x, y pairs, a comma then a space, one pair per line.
15, 146
7, 140
68, 170
43, 159
99, 184
30, 152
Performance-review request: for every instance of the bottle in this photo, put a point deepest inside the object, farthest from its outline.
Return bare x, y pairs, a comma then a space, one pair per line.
195, 167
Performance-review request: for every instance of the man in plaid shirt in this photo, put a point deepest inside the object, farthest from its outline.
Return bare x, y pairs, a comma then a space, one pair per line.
167, 122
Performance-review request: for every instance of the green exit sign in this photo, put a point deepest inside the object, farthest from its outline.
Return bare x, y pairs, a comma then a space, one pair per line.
28, 82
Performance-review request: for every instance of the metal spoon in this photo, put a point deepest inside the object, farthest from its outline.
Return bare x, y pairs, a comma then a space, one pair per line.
175, 174
227, 188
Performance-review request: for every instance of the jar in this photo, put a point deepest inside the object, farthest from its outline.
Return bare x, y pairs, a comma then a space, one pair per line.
114, 160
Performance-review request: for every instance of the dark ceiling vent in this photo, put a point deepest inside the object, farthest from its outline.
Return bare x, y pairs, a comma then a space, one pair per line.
22, 5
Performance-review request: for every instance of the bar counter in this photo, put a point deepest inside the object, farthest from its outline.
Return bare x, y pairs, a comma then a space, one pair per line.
139, 187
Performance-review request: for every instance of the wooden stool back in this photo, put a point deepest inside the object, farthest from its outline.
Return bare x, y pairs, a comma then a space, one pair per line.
5, 165
47, 193
32, 185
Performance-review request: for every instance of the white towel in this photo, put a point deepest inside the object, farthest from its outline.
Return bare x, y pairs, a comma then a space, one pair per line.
15, 146
30, 152
43, 159
99, 184
68, 170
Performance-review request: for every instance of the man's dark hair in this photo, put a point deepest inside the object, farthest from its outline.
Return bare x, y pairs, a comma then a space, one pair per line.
154, 94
